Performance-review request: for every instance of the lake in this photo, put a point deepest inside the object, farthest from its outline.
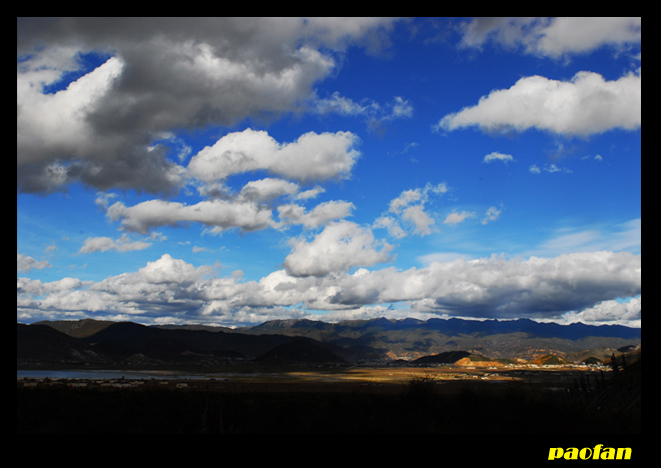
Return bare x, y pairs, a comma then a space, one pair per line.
100, 374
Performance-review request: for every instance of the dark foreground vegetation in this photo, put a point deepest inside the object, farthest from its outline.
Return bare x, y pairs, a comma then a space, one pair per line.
417, 409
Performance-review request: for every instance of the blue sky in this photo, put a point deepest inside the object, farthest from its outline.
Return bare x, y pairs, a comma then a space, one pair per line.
232, 171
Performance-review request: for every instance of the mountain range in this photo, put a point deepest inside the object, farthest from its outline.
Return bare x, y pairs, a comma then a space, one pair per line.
411, 338
309, 341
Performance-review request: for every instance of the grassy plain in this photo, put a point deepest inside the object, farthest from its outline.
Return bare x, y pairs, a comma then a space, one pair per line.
397, 400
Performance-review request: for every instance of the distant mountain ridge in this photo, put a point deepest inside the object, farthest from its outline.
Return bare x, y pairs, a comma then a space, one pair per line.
351, 341
412, 338
455, 326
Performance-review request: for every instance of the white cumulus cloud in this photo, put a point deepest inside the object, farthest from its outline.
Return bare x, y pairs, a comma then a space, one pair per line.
340, 246
312, 157
585, 105
409, 207
219, 215
496, 156
610, 312
104, 244
553, 37
26, 264
573, 287
322, 214
459, 217
162, 75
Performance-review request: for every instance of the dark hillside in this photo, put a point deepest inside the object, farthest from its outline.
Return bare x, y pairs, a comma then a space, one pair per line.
78, 328
299, 351
356, 340
449, 357
151, 339
45, 344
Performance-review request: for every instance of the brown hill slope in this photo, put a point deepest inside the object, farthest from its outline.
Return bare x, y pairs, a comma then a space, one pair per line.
548, 359
477, 361
449, 357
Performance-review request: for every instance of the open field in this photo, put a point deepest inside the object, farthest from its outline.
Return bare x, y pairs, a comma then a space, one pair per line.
441, 400
447, 379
